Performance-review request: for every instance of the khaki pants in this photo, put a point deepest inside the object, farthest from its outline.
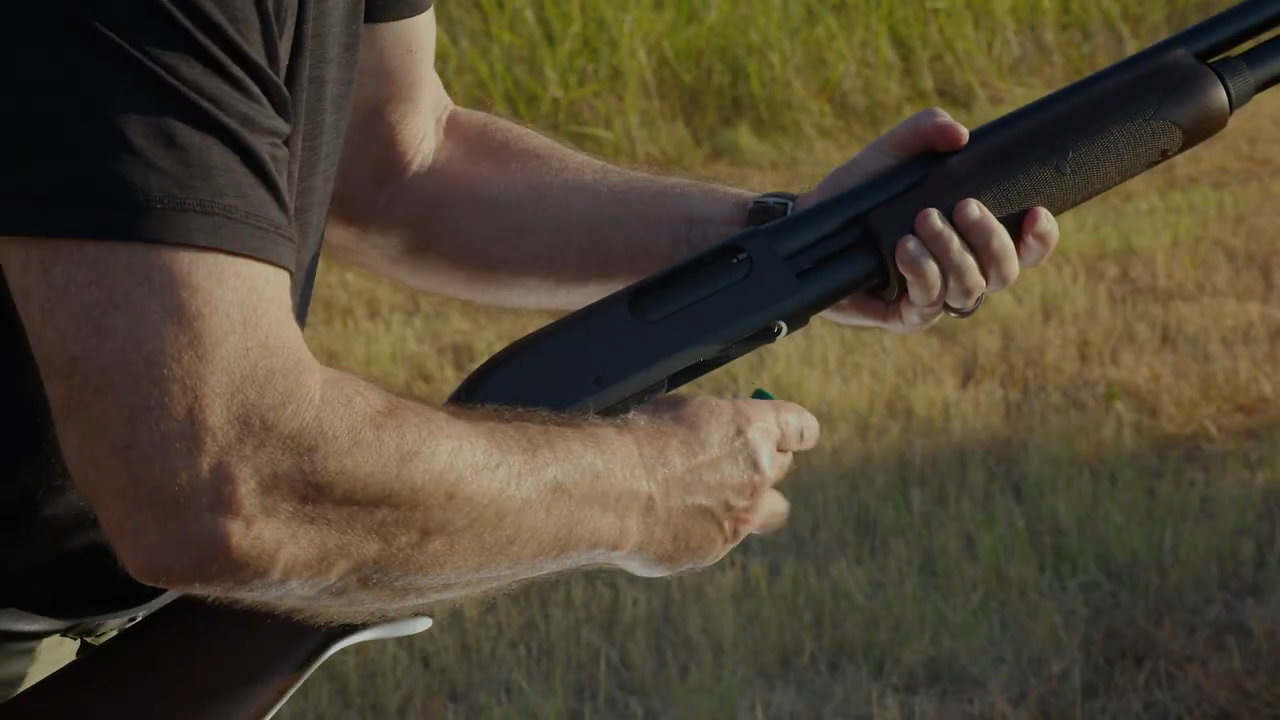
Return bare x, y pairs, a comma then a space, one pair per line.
25, 660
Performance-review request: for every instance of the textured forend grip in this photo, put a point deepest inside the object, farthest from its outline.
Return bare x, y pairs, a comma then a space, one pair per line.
1069, 153
1088, 167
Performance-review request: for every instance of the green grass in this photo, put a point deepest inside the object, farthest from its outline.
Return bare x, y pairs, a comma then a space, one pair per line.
1064, 507
656, 80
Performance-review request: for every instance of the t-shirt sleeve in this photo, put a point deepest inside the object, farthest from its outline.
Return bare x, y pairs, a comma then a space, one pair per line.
380, 11
154, 121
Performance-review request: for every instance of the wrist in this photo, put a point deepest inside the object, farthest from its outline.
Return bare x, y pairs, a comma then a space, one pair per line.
627, 474
584, 484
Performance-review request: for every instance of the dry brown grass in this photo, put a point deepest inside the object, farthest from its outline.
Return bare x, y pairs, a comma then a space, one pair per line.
1062, 508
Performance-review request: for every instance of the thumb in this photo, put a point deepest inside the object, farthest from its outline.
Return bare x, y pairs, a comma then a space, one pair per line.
928, 130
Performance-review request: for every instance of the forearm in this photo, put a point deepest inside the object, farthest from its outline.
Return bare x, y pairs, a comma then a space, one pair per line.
505, 216
222, 459
370, 505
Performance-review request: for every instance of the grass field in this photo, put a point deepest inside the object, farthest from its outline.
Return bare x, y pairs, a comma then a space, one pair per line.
1064, 507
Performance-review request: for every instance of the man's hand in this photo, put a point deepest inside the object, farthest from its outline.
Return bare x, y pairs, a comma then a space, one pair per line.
952, 258
715, 464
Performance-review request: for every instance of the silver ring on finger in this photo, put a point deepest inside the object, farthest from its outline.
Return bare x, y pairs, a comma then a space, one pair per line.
962, 313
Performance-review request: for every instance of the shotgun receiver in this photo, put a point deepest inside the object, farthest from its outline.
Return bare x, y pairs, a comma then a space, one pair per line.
192, 659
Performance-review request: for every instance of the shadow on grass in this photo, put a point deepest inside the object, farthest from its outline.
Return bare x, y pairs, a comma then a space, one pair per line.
1016, 578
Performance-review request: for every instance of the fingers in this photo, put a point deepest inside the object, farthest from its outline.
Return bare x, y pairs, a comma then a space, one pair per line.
963, 279
926, 286
771, 514
958, 260
1040, 236
953, 258
994, 252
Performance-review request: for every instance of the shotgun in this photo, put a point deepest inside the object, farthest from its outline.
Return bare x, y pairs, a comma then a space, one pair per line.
194, 659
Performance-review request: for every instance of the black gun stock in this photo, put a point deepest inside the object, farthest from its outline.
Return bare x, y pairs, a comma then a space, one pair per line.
746, 292
194, 660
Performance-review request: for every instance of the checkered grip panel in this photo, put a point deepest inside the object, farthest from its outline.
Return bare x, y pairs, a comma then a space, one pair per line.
1086, 168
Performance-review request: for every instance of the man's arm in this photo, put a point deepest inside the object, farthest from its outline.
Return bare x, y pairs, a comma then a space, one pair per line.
463, 203
218, 454
224, 460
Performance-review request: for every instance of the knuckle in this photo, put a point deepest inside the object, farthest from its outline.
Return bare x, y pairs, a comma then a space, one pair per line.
1046, 227
914, 259
930, 223
981, 215
762, 463
933, 114
801, 428
932, 285
911, 268
798, 429
1004, 275
812, 430
971, 213
774, 463
923, 292
909, 248
969, 286
990, 237
966, 269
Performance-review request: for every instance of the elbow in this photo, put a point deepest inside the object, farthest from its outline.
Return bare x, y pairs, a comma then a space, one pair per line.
191, 507
187, 487
190, 561
191, 537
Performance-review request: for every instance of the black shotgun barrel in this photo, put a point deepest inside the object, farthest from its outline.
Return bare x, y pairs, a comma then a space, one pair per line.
1223, 32
1262, 64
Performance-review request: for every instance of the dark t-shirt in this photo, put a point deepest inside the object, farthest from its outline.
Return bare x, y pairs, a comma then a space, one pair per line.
210, 123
